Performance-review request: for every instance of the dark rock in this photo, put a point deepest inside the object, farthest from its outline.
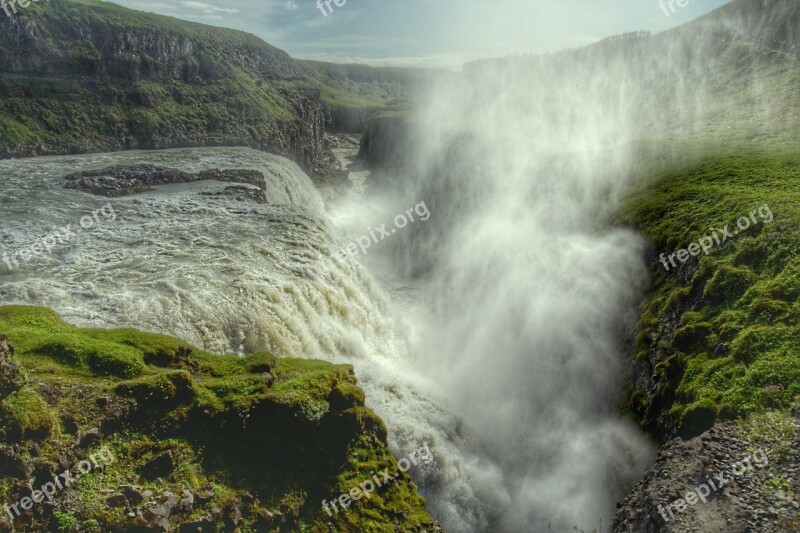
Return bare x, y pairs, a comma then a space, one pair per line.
241, 192
12, 464
231, 516
118, 500
264, 520
91, 438
69, 424
119, 181
161, 465
133, 494
123, 181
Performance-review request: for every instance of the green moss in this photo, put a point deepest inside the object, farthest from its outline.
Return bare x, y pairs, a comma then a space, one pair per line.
692, 337
164, 391
389, 508
66, 521
728, 283
753, 342
737, 316
346, 394
12, 130
116, 363
28, 416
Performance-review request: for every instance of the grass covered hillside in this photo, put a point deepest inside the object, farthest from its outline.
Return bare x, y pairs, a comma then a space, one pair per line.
199, 442
83, 75
718, 335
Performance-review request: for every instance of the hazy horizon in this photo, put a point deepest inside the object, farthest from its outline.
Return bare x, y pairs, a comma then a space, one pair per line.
426, 33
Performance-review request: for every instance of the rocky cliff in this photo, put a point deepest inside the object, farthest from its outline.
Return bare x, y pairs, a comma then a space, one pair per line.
90, 76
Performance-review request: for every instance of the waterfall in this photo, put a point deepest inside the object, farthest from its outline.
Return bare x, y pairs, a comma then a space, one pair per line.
527, 293
490, 331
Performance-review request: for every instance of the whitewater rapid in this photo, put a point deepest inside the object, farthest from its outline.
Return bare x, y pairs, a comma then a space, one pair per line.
227, 275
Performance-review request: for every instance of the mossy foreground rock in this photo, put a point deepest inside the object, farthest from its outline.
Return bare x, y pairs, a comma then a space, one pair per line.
193, 441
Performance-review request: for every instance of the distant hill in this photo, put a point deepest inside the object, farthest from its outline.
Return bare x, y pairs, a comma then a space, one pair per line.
731, 75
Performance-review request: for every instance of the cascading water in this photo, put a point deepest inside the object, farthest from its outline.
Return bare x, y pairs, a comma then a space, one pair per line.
227, 275
528, 293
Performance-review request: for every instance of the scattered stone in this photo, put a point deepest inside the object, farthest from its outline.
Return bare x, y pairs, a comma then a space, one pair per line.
186, 505
749, 502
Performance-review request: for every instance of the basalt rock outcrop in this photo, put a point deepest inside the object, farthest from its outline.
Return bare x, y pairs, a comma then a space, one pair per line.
114, 182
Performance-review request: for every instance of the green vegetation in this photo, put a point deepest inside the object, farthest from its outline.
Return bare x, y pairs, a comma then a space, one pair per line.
271, 437
718, 335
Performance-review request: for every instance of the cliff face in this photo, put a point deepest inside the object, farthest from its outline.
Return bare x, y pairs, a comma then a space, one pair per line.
89, 76
386, 142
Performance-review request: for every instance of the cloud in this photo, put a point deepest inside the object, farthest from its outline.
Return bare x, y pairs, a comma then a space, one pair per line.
207, 8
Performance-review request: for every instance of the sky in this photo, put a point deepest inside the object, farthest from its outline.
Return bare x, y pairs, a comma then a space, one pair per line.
428, 33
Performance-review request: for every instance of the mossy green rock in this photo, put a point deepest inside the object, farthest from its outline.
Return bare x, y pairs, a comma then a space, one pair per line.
259, 440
